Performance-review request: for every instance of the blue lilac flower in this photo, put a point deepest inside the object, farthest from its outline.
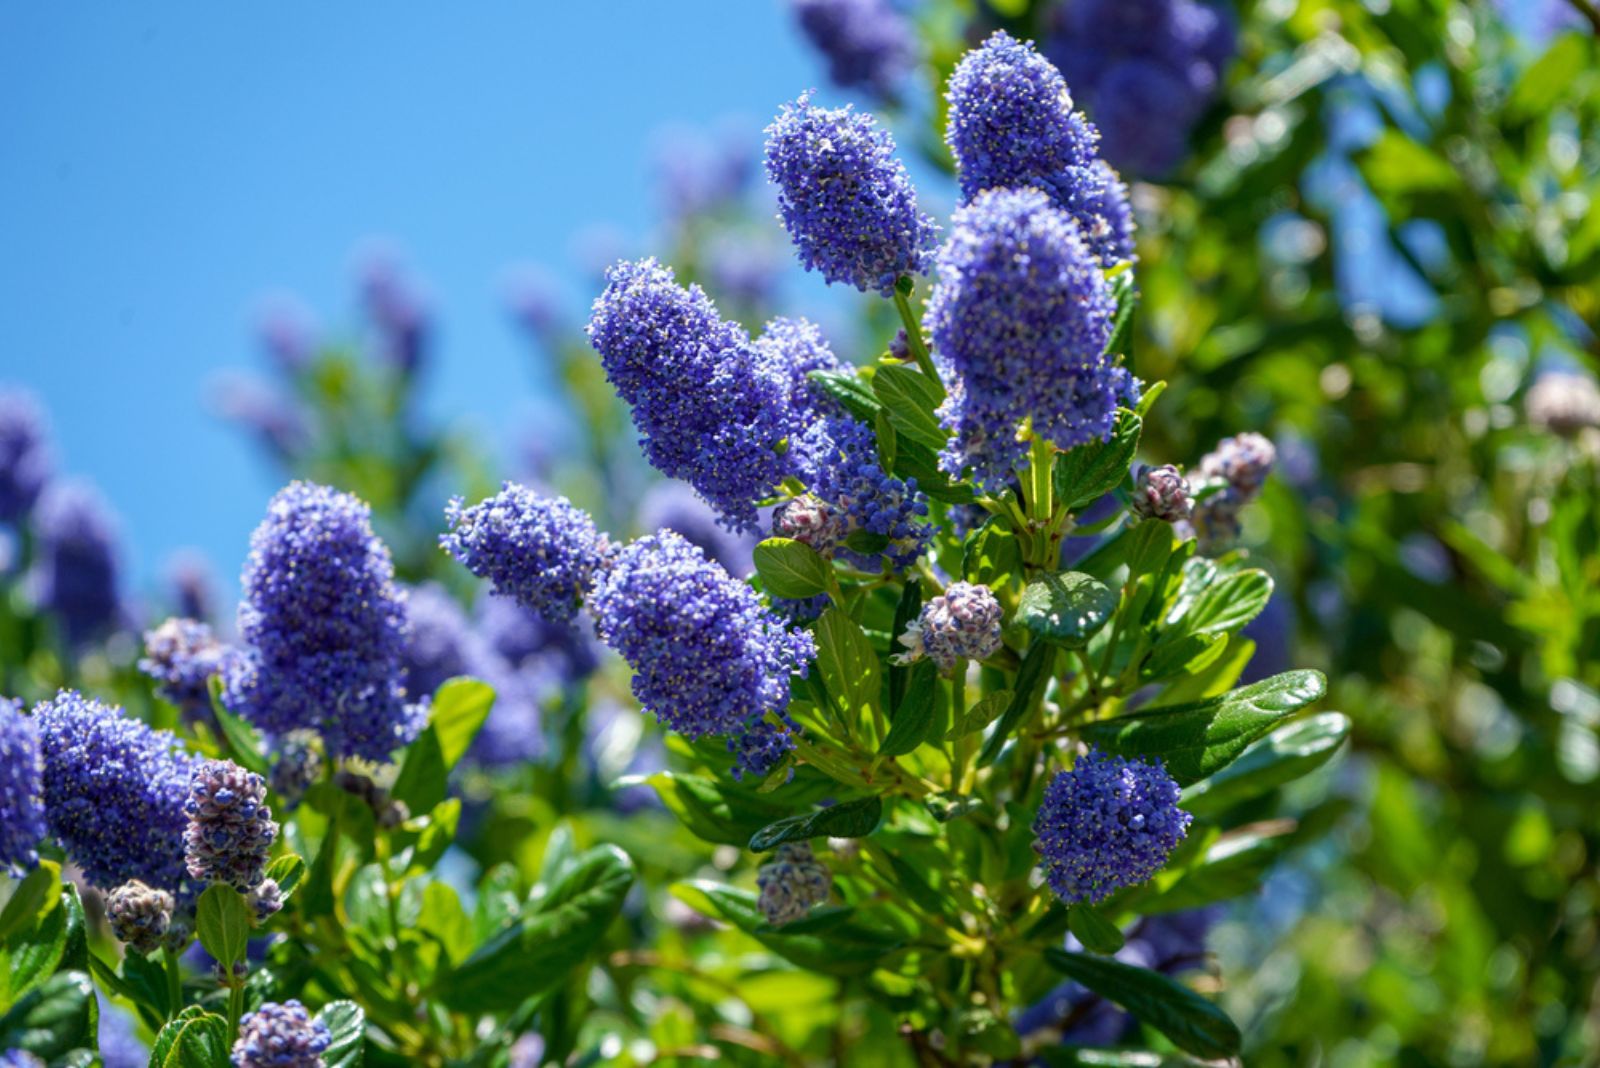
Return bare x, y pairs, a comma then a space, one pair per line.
441, 644
398, 312
118, 1038
1019, 323
707, 657
22, 823
323, 628
25, 463
869, 44
671, 505
114, 792
139, 915
181, 655
540, 551
276, 421
841, 467
231, 830
76, 566
1146, 70
797, 347
1161, 493
697, 173
1012, 124
742, 270
962, 623
281, 1035
296, 766
192, 586
791, 883
522, 636
720, 434
845, 199
1107, 823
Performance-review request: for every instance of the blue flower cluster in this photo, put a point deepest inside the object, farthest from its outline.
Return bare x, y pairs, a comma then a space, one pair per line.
181, 655
845, 199
540, 551
323, 628
1019, 323
868, 44
280, 1035
1145, 69
841, 454
791, 883
231, 829
21, 807
25, 463
139, 915
654, 338
707, 657
76, 566
1106, 824
797, 347
1012, 124
962, 623
114, 792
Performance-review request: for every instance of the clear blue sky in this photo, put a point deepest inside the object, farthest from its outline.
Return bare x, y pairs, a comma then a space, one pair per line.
165, 165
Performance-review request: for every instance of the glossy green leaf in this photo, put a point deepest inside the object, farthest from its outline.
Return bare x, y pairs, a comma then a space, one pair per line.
560, 927
910, 398
1088, 472
457, 713
40, 888
1200, 738
711, 810
53, 1019
1032, 679
792, 569
849, 947
347, 1025
981, 714
1286, 754
914, 715
1193, 1024
195, 1038
1068, 608
288, 871
243, 740
848, 389
991, 554
1226, 604
847, 663
1090, 926
222, 923
849, 819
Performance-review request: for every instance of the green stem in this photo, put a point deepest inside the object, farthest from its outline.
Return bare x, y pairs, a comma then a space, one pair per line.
919, 348
958, 712
174, 983
235, 1005
1041, 455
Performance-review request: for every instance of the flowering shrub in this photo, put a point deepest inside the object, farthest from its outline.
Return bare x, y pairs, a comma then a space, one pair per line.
919, 720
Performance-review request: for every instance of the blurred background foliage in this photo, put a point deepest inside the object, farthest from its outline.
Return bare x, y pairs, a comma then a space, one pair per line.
1376, 236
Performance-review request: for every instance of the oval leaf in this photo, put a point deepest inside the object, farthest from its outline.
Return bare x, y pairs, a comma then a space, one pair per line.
222, 921
1201, 738
852, 819
790, 568
1192, 1023
1090, 926
1069, 608
1284, 755
910, 397
347, 1025
1085, 474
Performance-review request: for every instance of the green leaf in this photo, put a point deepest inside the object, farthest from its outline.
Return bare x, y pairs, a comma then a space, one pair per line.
980, 715
54, 1018
194, 1038
1069, 607
40, 888
347, 1025
1088, 472
847, 388
222, 922
1549, 77
288, 871
850, 947
1127, 298
1032, 678
38, 949
910, 398
991, 554
849, 819
847, 662
711, 810
790, 568
458, 710
1200, 738
914, 716
1098, 934
243, 740
1397, 164
560, 927
906, 609
1193, 1024
1226, 605
1284, 755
